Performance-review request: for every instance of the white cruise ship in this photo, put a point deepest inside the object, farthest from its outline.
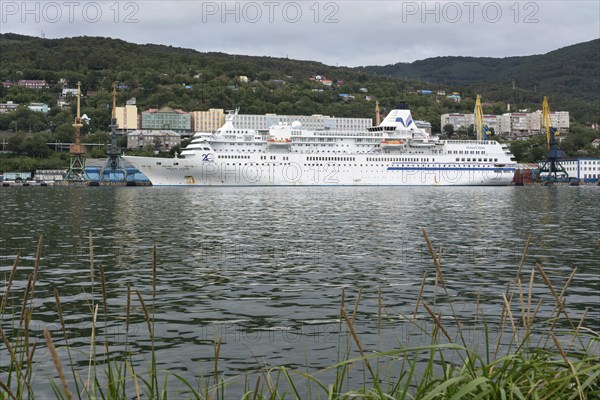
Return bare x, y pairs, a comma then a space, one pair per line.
395, 153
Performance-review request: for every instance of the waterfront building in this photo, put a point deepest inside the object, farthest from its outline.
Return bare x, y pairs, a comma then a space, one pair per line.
17, 176
167, 118
162, 140
127, 117
586, 169
309, 122
50, 174
208, 121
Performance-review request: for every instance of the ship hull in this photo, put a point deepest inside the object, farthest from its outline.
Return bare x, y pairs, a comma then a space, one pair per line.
355, 170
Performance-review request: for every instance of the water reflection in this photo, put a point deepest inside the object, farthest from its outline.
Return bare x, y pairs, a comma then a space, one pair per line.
264, 268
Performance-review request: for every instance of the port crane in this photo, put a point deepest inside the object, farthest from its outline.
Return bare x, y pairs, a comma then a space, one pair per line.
552, 165
113, 169
76, 171
480, 128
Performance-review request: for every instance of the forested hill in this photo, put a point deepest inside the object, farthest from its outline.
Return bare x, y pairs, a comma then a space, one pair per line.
570, 70
83, 54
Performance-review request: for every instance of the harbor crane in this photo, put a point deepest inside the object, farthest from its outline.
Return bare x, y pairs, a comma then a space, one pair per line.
76, 171
552, 165
480, 128
113, 170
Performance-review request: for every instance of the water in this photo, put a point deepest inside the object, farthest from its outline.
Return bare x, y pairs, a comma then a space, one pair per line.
263, 268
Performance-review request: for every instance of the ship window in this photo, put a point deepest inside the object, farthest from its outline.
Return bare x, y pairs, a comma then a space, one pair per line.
158, 163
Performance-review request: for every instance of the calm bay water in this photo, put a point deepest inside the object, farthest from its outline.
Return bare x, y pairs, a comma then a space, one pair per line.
263, 268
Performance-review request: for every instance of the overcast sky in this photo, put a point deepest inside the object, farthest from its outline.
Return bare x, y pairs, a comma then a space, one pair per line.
349, 33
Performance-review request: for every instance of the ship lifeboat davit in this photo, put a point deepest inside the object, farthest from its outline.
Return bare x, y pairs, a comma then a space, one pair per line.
389, 144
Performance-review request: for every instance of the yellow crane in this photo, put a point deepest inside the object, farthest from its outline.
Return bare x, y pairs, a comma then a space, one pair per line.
480, 128
552, 165
546, 122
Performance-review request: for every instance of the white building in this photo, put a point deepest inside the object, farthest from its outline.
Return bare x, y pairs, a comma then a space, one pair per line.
50, 174
309, 122
458, 121
518, 124
39, 107
558, 120
7, 107
515, 123
584, 169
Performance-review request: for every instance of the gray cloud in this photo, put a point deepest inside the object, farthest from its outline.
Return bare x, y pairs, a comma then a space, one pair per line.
348, 33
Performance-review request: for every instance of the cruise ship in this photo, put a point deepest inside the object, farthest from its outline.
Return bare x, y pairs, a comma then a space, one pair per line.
394, 153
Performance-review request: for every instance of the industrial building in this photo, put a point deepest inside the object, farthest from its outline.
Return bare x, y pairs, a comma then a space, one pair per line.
582, 169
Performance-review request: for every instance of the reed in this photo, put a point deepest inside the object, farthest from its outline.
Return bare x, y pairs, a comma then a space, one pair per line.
57, 364
444, 366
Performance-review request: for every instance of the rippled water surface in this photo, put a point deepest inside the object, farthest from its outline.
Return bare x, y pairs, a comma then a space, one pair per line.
263, 268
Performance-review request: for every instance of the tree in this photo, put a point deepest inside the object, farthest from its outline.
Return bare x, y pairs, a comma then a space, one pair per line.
448, 129
64, 133
471, 130
35, 146
15, 143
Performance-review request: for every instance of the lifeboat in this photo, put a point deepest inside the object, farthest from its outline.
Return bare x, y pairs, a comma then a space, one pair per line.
391, 143
279, 142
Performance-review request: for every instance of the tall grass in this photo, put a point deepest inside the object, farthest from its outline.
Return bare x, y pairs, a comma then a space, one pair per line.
525, 361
